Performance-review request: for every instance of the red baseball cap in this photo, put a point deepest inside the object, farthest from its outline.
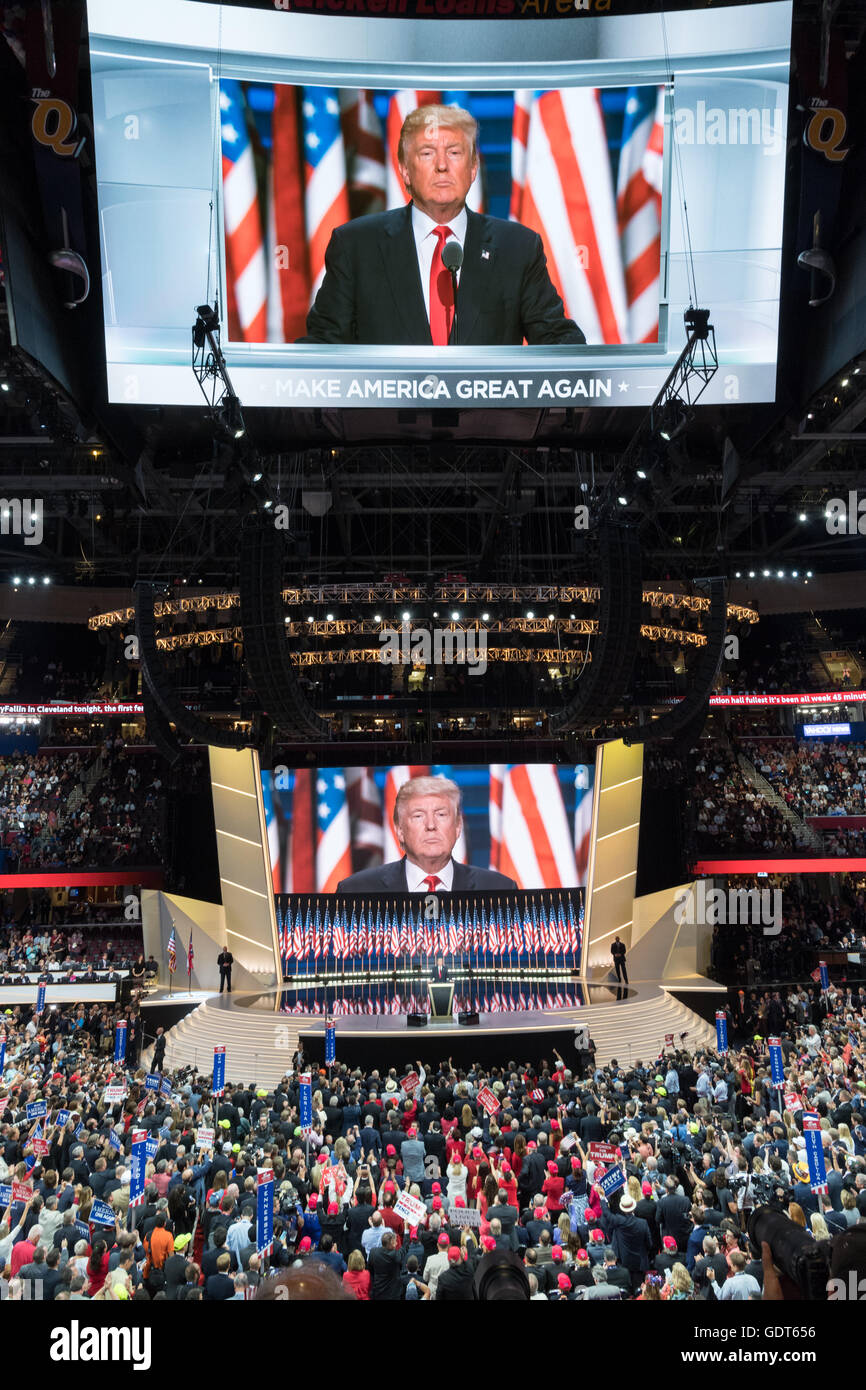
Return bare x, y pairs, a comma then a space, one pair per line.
437, 1203
413, 1232
488, 1242
333, 1209
437, 1187
582, 1255
454, 1255
551, 1167
556, 1252
443, 1239
669, 1243
390, 1152
413, 1133
576, 1165
306, 1244
460, 1201
647, 1189
597, 1235
563, 1281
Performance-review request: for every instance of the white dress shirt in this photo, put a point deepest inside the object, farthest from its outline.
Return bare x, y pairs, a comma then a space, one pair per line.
415, 878
425, 244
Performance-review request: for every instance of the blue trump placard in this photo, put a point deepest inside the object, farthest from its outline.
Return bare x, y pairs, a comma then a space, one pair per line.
102, 1214
62, 1118
613, 1179
152, 1081
114, 1141
36, 1109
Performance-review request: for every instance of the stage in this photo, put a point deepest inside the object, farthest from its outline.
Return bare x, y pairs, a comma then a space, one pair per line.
261, 1029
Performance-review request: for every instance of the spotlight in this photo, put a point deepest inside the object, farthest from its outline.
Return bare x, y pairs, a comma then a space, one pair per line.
4, 385
802, 516
737, 575
844, 381
309, 620
268, 504
377, 617
623, 501
31, 580
454, 616
795, 574
673, 419
405, 617
329, 617
766, 574
46, 579
530, 614
780, 574
641, 474
257, 477
751, 574
231, 419
808, 574
485, 617
16, 581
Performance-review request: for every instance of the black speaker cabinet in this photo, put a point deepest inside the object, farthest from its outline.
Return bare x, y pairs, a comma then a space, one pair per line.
416, 1020
468, 1020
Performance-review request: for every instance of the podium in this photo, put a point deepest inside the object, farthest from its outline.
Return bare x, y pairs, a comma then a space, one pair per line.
441, 999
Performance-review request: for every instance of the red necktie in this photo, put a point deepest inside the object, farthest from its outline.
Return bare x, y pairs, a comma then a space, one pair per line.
441, 293
431, 880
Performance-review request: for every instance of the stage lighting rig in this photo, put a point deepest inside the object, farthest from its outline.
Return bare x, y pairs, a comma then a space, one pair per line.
212, 375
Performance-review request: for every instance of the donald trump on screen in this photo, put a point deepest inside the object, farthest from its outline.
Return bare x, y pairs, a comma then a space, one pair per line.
387, 276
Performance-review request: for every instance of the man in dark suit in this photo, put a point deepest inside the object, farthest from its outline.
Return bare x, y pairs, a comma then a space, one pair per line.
440, 974
427, 824
385, 277
225, 961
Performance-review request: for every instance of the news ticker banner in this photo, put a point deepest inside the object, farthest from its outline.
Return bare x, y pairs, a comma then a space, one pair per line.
114, 709
462, 9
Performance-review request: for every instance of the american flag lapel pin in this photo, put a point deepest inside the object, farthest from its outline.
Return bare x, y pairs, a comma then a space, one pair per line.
485, 255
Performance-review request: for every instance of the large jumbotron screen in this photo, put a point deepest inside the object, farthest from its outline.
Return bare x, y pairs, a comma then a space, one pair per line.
529, 821
643, 157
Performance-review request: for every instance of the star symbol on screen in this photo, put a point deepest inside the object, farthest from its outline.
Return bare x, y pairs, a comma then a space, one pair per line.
309, 108
623, 385
230, 134
225, 101
313, 139
332, 106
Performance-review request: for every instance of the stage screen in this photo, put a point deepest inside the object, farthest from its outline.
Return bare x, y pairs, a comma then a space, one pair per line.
231, 143
530, 822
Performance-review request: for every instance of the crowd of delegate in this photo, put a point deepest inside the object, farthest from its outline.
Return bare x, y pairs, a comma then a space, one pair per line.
704, 1141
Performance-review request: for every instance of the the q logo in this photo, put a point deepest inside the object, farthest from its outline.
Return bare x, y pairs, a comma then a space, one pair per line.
825, 132
54, 121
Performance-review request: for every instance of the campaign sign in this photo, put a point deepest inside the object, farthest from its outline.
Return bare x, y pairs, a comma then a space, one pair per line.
487, 1098
204, 1138
2, 1054
464, 1216
62, 1118
101, 1213
603, 1153
410, 1082
330, 1042
265, 1212
40, 1147
777, 1062
814, 1151
151, 1146
5, 1194
219, 1070
36, 1110
165, 1086
113, 1094
114, 1140
79, 1129
152, 1081
721, 1031
120, 1040
613, 1179
138, 1136
22, 1191
306, 1103
40, 998
824, 974
410, 1208
669, 1039
138, 1166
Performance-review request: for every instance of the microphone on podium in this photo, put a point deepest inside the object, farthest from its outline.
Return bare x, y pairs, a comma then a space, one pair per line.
452, 259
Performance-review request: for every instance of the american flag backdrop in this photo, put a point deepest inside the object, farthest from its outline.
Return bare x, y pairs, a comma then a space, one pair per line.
581, 166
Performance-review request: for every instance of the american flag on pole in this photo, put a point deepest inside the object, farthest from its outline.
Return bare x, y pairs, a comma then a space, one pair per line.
326, 195
246, 276
365, 813
333, 843
172, 952
567, 197
190, 956
639, 208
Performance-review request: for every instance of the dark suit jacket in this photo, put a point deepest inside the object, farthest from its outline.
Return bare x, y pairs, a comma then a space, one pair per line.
372, 291
391, 878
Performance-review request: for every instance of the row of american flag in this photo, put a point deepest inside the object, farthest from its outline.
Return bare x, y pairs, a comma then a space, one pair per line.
330, 822
332, 158
520, 999
492, 930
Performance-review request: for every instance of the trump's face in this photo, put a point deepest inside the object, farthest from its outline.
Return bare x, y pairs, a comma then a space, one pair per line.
428, 830
439, 170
